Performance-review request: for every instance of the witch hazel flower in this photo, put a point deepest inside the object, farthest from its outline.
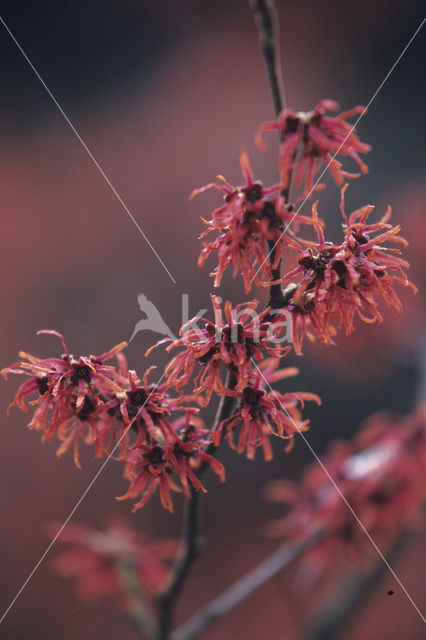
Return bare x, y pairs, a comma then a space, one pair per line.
190, 451
60, 375
169, 466
263, 413
381, 474
247, 225
311, 139
96, 558
71, 394
305, 317
147, 407
350, 279
234, 338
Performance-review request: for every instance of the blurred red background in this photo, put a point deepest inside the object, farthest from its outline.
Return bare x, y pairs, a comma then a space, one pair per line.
164, 95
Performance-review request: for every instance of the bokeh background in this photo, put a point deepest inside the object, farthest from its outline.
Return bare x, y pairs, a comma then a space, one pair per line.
164, 94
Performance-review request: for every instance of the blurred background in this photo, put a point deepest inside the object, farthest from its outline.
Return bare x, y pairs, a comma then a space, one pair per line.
164, 94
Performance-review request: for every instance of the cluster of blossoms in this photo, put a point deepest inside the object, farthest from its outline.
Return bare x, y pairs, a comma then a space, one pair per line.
263, 412
111, 409
258, 232
382, 475
251, 221
237, 355
98, 560
233, 343
75, 397
335, 283
316, 288
309, 140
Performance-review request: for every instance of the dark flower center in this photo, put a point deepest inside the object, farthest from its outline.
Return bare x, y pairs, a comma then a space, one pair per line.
81, 372
251, 396
87, 408
340, 268
137, 397
360, 238
155, 456
253, 193
113, 411
204, 359
233, 334
43, 385
268, 210
291, 124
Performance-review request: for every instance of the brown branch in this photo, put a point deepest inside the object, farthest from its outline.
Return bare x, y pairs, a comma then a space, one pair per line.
190, 535
190, 552
331, 620
191, 545
267, 23
243, 588
224, 411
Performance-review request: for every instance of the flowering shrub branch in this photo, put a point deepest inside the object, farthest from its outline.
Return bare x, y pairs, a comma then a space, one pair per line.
315, 285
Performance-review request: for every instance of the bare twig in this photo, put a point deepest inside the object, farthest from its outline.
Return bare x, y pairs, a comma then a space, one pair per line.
135, 600
243, 588
331, 621
190, 552
264, 11
190, 534
224, 411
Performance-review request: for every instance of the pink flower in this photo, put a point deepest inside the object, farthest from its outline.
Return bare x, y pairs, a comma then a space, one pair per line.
73, 397
341, 281
247, 225
232, 340
147, 407
96, 559
306, 317
113, 402
264, 413
156, 464
311, 138
382, 476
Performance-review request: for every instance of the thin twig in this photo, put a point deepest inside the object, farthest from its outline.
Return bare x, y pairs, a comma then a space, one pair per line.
224, 411
243, 588
135, 600
190, 534
267, 23
190, 552
331, 621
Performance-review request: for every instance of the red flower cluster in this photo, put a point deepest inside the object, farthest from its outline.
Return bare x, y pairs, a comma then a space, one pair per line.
234, 340
151, 465
382, 476
73, 397
111, 407
340, 281
248, 224
97, 559
263, 413
311, 138
87, 400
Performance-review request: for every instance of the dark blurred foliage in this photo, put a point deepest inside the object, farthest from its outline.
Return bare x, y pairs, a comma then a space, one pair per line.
164, 94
